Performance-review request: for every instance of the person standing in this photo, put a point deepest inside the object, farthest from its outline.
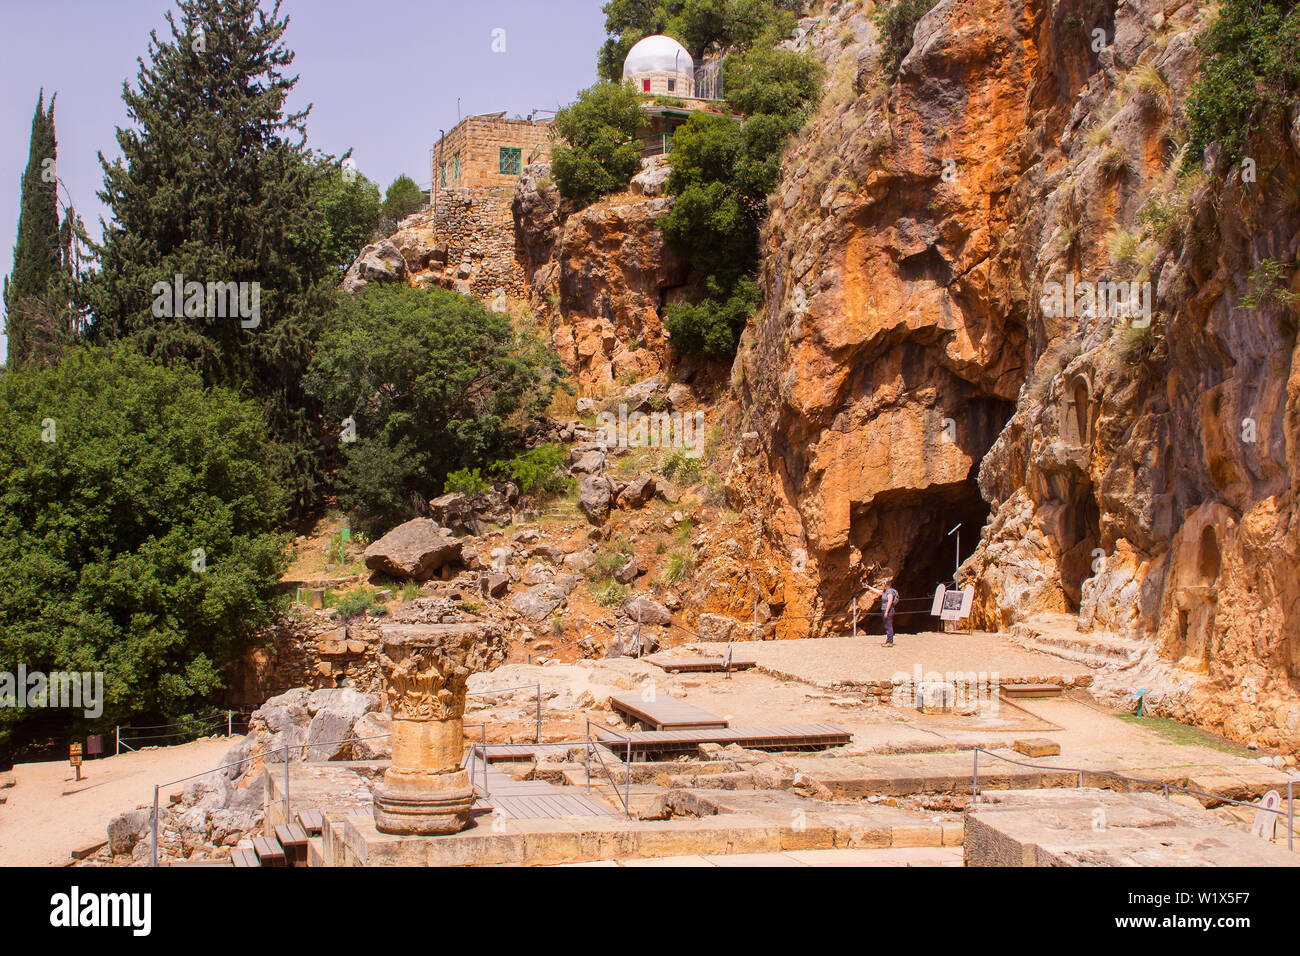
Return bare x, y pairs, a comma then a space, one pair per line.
888, 605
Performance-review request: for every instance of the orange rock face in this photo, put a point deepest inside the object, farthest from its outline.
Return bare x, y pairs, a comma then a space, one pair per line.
909, 370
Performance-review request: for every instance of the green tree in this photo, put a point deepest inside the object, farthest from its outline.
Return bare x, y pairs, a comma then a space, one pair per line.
349, 203
402, 199
599, 152
722, 173
434, 383
216, 184
35, 291
1250, 75
137, 512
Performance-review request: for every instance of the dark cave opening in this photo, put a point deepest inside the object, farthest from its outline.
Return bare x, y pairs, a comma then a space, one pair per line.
925, 520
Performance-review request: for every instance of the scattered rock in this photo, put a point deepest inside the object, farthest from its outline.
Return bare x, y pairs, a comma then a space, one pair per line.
416, 550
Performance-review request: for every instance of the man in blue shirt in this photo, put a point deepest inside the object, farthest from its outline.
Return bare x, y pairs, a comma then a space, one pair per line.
888, 604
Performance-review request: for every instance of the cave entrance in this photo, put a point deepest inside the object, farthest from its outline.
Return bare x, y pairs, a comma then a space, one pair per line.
923, 519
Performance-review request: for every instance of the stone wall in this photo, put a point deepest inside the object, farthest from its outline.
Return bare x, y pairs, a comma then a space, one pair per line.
477, 141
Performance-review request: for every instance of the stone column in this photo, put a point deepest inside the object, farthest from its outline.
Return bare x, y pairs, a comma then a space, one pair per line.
425, 670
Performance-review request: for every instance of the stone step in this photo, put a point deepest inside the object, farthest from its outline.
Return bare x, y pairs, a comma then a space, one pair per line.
1073, 654
1097, 643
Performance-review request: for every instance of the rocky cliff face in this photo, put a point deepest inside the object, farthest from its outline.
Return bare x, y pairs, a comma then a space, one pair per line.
910, 370
600, 277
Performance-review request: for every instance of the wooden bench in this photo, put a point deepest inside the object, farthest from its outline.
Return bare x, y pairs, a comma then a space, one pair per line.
241, 857
311, 821
294, 841
1031, 690
701, 665
666, 713
268, 850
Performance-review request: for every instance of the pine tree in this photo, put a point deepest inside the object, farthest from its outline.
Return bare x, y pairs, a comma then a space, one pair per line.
215, 185
38, 256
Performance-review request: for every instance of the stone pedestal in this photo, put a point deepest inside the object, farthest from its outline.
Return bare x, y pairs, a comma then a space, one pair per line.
425, 669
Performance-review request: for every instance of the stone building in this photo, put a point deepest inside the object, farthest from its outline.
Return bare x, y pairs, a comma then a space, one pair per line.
489, 151
660, 65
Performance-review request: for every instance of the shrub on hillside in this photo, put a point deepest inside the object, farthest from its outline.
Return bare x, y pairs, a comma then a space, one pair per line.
600, 152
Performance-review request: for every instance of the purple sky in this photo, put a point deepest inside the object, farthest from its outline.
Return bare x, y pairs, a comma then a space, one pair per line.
383, 78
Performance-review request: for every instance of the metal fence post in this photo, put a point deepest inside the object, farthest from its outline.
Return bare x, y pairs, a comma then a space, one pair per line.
755, 620
1290, 814
975, 777
155, 825
587, 754
286, 784
230, 724
855, 615
117, 737
539, 712
627, 782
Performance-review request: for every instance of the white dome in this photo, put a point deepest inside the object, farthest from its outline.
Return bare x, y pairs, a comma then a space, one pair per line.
658, 54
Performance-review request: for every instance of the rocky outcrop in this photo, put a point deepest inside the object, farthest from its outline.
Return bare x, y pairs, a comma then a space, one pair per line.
379, 262
600, 277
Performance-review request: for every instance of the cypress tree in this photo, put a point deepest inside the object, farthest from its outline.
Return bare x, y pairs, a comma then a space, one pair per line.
38, 259
215, 185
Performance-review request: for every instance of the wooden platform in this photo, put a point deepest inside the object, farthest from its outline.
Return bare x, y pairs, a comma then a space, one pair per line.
771, 737
535, 799
687, 665
666, 713
1030, 690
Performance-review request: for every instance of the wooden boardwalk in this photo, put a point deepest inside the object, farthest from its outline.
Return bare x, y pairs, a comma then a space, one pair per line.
666, 713
535, 799
769, 737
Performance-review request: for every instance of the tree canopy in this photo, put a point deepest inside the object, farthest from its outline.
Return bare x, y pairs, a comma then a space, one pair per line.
599, 152
137, 517
433, 382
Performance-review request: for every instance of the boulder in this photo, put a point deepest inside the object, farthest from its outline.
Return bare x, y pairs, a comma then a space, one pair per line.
472, 514
580, 561
415, 550
652, 180
537, 603
373, 725
646, 609
127, 829
379, 262
638, 492
639, 395
628, 572
335, 712
588, 463
594, 498
495, 583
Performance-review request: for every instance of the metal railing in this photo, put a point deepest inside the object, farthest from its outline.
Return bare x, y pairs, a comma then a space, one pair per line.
1290, 803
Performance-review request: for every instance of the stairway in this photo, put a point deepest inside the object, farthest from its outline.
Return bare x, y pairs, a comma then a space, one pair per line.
1059, 635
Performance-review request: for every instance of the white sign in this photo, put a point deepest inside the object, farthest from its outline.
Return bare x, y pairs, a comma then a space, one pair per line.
950, 605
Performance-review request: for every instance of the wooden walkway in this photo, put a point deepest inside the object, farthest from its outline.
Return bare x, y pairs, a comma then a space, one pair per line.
535, 799
771, 737
685, 665
666, 713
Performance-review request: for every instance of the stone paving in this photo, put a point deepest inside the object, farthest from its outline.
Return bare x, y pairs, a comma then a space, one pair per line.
846, 662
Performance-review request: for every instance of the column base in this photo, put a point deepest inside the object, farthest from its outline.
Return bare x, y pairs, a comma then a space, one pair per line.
423, 805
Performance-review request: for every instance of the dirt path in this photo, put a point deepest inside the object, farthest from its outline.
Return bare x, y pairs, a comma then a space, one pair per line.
48, 815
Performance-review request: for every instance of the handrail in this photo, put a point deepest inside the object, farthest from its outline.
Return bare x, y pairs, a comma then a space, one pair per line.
626, 796
1290, 803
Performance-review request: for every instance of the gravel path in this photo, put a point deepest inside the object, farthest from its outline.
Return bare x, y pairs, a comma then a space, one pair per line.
48, 814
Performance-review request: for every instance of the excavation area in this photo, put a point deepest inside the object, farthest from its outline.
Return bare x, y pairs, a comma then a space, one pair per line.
948, 750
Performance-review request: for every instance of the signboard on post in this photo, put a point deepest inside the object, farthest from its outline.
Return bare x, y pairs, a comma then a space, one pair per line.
952, 605
74, 757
